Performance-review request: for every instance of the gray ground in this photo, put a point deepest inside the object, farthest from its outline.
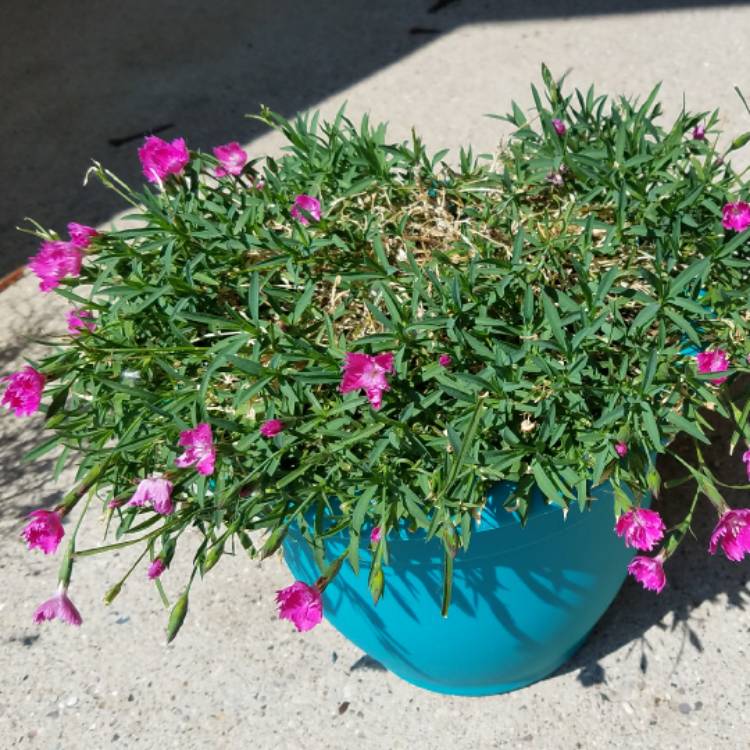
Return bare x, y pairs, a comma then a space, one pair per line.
667, 671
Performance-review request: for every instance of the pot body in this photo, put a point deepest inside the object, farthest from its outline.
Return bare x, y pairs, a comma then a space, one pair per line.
524, 598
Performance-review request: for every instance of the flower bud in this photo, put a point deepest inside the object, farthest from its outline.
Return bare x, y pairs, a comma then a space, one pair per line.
177, 616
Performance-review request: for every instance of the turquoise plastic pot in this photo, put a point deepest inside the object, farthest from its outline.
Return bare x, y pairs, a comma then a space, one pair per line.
524, 598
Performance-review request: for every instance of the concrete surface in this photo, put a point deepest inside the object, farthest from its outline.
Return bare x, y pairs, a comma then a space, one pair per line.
666, 672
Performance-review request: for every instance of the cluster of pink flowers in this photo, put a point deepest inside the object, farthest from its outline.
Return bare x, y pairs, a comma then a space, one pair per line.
644, 528
45, 531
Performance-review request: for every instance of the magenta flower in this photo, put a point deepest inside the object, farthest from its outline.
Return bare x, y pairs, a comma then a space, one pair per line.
305, 204
746, 459
368, 373
699, 132
81, 235
200, 449
232, 158
556, 179
157, 491
54, 261
642, 528
156, 568
621, 449
301, 604
560, 127
79, 320
44, 531
732, 532
58, 607
376, 535
445, 360
736, 216
716, 361
24, 391
649, 571
271, 427
160, 159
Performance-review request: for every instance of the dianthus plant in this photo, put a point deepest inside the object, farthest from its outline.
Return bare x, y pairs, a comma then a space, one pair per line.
358, 336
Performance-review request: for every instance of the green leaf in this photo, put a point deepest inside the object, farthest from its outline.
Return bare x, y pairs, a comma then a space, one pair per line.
553, 319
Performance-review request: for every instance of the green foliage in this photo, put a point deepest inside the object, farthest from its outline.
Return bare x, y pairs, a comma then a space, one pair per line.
567, 307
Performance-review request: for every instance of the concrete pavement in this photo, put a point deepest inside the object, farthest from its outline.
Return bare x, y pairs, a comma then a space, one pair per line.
667, 671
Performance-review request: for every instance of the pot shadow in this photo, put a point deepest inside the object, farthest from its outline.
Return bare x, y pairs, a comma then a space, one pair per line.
194, 69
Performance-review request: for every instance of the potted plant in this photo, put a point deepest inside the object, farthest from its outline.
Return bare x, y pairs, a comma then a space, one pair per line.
442, 389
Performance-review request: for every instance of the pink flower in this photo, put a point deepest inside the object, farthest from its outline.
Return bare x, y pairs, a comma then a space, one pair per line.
376, 535
363, 371
157, 491
560, 127
746, 459
271, 427
642, 528
444, 360
621, 449
24, 392
200, 449
733, 533
78, 320
232, 158
156, 568
44, 531
301, 604
716, 361
736, 216
556, 179
648, 571
160, 159
699, 132
80, 235
58, 607
305, 204
54, 261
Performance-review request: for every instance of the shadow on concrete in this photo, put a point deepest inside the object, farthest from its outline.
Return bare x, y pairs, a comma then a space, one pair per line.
85, 80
